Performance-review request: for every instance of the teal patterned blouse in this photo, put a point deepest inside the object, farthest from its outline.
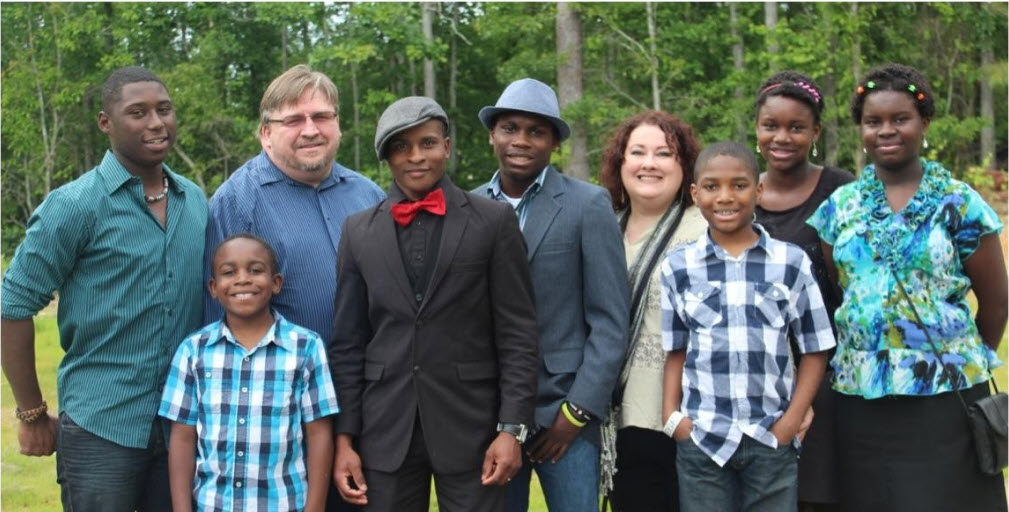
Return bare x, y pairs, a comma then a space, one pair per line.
880, 349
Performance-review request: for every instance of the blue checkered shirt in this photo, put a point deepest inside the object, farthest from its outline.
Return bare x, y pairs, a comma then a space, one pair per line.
522, 208
734, 317
248, 407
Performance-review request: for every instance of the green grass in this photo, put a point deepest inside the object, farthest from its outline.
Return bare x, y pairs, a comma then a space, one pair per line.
29, 483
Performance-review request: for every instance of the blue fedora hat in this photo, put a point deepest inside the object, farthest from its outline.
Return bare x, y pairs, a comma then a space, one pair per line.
529, 96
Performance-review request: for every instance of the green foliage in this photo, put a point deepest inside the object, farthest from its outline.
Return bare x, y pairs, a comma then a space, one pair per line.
218, 58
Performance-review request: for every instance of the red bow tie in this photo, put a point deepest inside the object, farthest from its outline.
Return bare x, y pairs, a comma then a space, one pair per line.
434, 202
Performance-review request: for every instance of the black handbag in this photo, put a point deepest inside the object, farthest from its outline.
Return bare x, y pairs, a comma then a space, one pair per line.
988, 417
988, 423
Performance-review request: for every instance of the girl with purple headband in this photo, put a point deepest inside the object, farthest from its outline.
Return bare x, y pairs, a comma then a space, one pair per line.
788, 108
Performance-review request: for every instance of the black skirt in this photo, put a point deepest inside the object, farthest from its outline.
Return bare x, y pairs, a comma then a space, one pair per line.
910, 453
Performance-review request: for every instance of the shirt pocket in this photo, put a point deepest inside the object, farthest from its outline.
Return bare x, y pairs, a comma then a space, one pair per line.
702, 306
770, 301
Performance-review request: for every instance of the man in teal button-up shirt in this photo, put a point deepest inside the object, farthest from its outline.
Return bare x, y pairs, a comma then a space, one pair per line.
123, 246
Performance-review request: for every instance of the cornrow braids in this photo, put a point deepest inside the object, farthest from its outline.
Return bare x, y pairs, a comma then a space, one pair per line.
795, 85
894, 77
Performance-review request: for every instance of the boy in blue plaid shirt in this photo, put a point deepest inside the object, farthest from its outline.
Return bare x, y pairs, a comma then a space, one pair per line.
731, 302
251, 398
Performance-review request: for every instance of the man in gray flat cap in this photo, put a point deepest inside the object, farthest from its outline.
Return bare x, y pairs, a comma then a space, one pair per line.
576, 259
435, 352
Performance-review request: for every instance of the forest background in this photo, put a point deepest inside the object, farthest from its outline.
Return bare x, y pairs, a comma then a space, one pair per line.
701, 61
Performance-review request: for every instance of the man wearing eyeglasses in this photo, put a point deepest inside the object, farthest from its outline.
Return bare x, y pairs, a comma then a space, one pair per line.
295, 196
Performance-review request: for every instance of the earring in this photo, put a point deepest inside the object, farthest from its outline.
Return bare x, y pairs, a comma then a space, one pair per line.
758, 148
864, 151
815, 153
924, 143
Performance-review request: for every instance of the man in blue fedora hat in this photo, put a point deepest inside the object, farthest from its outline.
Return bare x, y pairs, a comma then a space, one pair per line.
576, 258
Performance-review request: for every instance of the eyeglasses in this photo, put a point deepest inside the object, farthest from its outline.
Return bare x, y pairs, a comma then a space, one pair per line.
298, 120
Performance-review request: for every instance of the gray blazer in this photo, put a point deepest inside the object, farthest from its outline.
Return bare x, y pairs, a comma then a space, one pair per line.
579, 275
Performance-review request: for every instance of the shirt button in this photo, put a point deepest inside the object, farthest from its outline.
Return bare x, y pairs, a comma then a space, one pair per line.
419, 297
238, 484
416, 369
241, 421
245, 389
208, 375
246, 359
241, 453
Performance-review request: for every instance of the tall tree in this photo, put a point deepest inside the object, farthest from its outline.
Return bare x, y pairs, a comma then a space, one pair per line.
427, 22
771, 22
569, 84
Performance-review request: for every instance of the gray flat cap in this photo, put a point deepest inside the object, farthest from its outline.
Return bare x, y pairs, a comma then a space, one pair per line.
403, 114
529, 96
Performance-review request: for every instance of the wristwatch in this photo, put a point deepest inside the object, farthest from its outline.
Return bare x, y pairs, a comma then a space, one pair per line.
518, 430
674, 421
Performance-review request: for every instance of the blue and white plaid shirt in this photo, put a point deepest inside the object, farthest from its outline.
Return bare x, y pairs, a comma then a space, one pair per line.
248, 407
522, 208
734, 317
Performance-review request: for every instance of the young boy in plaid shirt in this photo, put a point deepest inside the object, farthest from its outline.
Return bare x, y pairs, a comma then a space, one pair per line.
251, 398
731, 303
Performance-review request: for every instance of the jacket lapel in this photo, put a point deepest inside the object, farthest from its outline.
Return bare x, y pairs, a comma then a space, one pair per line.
385, 235
544, 208
456, 219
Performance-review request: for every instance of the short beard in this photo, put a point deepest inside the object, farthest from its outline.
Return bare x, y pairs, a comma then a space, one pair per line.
323, 165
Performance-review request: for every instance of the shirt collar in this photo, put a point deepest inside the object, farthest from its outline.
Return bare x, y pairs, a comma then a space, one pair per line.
273, 335
114, 175
272, 174
494, 186
711, 249
396, 195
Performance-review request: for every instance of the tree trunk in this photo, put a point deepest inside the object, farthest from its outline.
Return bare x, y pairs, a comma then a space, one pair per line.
412, 67
453, 102
355, 95
653, 57
987, 111
856, 71
427, 20
771, 22
830, 136
737, 66
569, 83
283, 47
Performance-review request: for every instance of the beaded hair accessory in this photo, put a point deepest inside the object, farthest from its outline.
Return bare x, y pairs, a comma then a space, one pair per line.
802, 85
810, 89
911, 88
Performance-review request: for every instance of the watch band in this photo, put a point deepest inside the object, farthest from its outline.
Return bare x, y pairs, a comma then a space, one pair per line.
674, 421
519, 430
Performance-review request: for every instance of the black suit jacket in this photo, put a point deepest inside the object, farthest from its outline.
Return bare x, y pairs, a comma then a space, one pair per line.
462, 359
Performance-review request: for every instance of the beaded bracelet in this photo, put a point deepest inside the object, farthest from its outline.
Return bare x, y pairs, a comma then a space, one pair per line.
32, 415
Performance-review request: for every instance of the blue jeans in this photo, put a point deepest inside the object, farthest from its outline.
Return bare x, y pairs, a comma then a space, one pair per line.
572, 484
756, 478
98, 475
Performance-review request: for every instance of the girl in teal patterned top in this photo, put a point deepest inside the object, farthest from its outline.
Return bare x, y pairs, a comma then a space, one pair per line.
907, 216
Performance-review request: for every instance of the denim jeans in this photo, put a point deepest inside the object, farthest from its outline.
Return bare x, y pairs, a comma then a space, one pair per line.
570, 485
98, 475
756, 478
